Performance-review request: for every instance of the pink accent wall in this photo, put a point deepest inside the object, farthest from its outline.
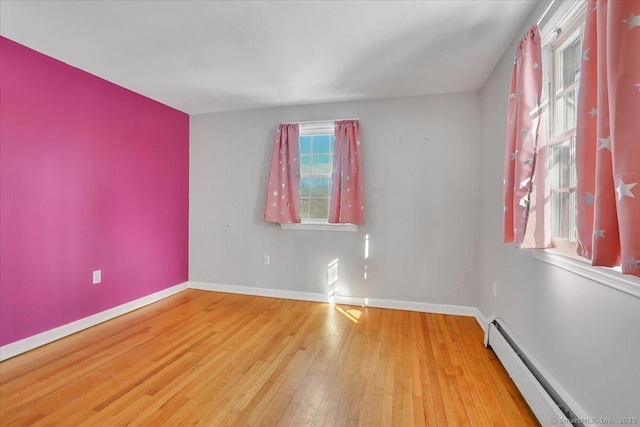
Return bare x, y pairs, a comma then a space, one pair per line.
92, 176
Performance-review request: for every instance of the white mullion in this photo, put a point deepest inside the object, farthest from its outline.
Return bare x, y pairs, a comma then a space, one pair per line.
567, 89
562, 138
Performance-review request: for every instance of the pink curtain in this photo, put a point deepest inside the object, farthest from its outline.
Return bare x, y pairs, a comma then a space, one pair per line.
347, 187
283, 192
608, 137
523, 185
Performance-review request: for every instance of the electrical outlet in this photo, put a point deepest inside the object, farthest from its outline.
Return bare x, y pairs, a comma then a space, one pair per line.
97, 277
495, 288
267, 260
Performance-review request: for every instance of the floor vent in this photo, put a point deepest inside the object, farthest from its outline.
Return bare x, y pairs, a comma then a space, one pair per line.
545, 402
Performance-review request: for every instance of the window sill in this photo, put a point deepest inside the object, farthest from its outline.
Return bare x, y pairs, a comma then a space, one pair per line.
606, 276
320, 227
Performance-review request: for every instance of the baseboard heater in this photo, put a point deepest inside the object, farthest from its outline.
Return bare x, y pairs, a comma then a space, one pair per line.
545, 402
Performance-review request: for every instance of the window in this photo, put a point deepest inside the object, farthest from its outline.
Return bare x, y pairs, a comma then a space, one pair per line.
316, 183
563, 58
316, 164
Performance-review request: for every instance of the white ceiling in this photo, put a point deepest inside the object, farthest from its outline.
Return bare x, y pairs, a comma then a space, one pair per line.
206, 56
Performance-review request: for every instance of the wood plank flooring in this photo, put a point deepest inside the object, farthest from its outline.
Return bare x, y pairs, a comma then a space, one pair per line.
216, 359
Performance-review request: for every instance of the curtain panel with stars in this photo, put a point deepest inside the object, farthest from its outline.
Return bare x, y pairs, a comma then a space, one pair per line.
283, 192
607, 140
347, 188
525, 188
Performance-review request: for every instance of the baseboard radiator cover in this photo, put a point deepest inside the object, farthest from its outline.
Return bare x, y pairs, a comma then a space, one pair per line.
545, 402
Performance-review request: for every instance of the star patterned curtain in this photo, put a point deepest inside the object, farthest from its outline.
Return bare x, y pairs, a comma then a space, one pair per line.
525, 210
347, 188
283, 192
608, 137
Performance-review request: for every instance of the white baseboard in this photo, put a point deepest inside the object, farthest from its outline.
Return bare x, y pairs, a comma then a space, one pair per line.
424, 307
482, 321
260, 292
458, 310
34, 341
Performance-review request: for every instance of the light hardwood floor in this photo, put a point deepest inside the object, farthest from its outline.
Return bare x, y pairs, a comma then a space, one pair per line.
214, 359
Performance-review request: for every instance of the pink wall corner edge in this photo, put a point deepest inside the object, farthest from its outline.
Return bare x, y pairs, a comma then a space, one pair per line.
92, 177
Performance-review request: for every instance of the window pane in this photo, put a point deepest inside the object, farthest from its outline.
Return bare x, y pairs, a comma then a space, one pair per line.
331, 140
565, 165
305, 145
561, 215
320, 187
562, 177
305, 187
567, 63
319, 209
554, 168
321, 144
321, 164
571, 61
559, 125
555, 214
305, 165
567, 70
304, 208
566, 109
565, 216
560, 171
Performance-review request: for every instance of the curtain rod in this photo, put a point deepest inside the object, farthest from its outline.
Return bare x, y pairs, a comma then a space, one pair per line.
318, 121
544, 14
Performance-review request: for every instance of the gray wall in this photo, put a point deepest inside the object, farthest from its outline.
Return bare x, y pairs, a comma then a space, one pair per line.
421, 192
585, 333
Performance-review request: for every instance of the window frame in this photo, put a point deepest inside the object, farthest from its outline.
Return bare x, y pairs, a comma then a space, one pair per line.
312, 130
553, 42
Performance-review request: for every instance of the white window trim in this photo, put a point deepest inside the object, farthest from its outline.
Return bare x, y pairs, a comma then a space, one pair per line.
607, 276
317, 128
319, 226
